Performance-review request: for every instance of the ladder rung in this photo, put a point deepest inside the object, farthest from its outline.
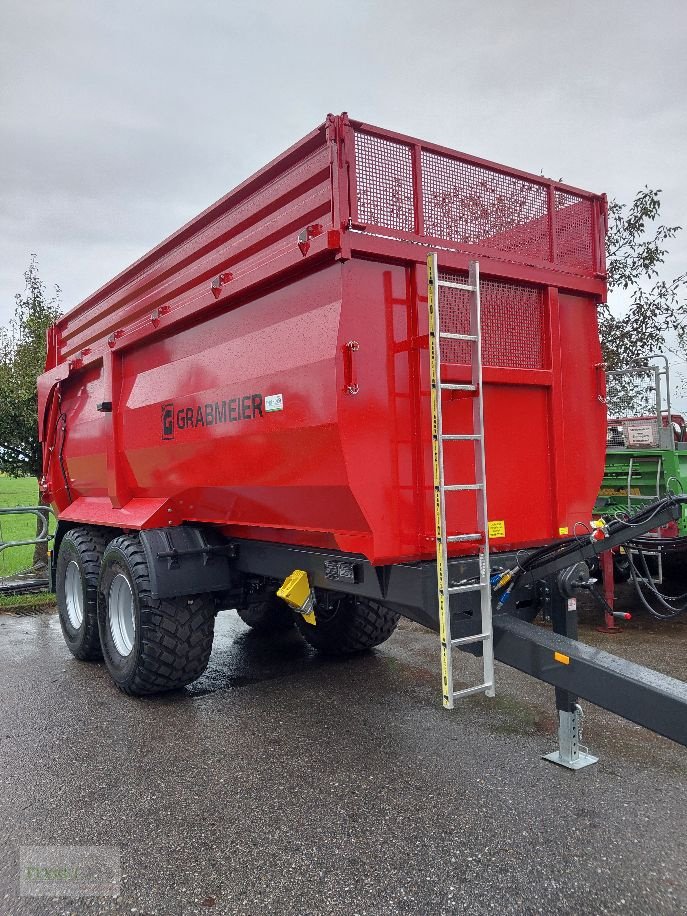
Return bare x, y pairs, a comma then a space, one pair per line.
466, 640
469, 690
464, 537
451, 285
463, 437
459, 589
449, 335
450, 386
464, 486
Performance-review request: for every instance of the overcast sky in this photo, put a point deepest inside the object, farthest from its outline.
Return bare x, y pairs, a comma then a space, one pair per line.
121, 120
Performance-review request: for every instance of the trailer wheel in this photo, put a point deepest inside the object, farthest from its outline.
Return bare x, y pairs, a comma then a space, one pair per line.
346, 624
76, 585
269, 615
621, 567
149, 645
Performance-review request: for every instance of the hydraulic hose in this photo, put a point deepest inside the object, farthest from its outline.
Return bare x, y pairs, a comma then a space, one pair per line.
571, 545
662, 599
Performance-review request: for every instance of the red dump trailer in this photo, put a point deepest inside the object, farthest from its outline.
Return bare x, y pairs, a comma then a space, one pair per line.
252, 305
252, 398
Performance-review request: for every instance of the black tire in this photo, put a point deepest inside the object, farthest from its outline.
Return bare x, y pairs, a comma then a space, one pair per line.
84, 548
267, 614
621, 567
346, 624
170, 639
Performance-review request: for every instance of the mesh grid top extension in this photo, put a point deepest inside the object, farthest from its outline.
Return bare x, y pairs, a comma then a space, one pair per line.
435, 195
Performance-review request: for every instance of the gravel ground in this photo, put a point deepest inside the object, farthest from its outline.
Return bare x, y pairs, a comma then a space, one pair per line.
281, 783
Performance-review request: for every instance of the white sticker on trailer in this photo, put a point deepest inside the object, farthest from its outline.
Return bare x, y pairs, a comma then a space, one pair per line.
274, 402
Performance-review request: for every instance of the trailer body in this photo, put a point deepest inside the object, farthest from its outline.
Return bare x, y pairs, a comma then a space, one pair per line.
264, 370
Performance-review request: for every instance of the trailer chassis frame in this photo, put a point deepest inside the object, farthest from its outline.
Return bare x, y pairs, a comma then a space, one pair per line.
556, 656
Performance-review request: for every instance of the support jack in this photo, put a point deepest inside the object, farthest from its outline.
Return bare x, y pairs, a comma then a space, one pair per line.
571, 754
607, 600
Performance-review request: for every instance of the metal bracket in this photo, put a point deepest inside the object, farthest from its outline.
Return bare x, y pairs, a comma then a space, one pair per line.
18, 583
350, 383
42, 513
571, 753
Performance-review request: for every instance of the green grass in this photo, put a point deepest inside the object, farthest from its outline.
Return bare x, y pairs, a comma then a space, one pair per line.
26, 603
17, 492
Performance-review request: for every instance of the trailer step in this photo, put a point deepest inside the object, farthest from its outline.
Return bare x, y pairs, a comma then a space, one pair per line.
461, 589
476, 436
447, 335
451, 386
451, 285
479, 688
466, 640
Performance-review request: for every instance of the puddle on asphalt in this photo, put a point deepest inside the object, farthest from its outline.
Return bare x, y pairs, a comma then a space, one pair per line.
241, 656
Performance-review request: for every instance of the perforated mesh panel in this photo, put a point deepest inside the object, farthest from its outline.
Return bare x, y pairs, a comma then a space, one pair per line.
573, 226
454, 313
469, 204
512, 324
466, 203
385, 182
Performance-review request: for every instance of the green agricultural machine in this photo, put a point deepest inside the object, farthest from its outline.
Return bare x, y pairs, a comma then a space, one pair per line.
646, 459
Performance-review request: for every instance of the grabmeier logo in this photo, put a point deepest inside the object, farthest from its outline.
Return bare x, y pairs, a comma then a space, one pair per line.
179, 418
168, 421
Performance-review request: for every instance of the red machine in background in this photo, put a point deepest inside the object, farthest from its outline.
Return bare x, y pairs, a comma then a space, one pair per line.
250, 401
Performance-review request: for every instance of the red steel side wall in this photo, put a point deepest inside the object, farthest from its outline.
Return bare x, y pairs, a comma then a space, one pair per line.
333, 469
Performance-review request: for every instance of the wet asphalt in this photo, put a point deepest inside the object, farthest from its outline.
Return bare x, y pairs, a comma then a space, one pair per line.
282, 783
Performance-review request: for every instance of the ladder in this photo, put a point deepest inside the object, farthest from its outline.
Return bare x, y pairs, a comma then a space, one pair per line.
476, 436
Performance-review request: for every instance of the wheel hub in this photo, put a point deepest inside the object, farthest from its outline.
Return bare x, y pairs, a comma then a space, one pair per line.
73, 594
121, 615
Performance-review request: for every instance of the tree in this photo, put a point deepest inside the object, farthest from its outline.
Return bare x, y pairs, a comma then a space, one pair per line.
635, 251
22, 360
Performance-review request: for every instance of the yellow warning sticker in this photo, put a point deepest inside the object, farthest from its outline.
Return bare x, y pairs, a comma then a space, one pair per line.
563, 530
497, 529
560, 657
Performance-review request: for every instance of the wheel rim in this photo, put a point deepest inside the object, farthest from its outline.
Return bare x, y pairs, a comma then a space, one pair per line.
73, 593
120, 613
